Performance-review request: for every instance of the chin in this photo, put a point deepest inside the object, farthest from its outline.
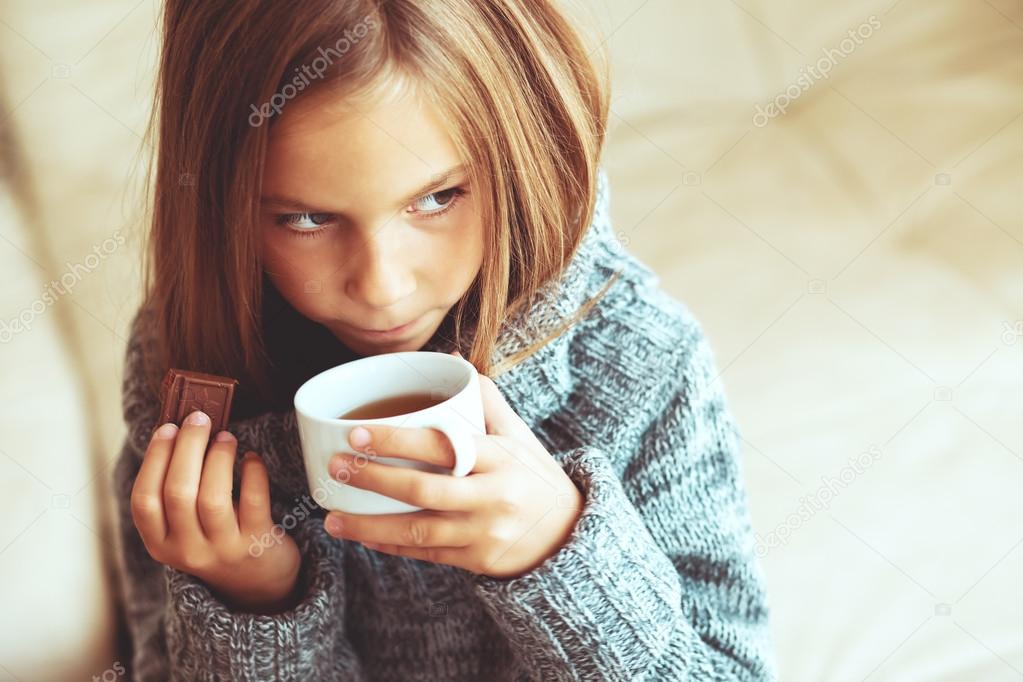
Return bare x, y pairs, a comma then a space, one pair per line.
366, 349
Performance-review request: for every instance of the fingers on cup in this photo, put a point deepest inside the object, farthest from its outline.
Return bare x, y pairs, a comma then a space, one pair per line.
216, 507
423, 444
420, 488
418, 529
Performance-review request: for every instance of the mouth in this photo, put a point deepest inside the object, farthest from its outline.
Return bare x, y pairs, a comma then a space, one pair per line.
393, 332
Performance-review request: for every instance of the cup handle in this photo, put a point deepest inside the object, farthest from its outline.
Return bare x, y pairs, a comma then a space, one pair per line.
464, 447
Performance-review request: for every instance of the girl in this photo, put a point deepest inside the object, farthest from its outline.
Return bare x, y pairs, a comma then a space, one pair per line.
342, 178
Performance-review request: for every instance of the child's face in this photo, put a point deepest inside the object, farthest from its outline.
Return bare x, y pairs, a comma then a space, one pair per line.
344, 240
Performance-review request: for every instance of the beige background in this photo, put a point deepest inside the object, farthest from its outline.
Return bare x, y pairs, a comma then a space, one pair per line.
857, 263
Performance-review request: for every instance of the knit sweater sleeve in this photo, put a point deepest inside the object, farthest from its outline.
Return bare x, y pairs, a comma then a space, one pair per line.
658, 579
181, 631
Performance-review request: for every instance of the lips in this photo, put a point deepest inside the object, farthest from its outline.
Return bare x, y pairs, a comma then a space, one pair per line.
384, 331
387, 332
389, 329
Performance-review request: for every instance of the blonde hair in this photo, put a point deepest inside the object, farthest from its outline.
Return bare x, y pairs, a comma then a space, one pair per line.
525, 102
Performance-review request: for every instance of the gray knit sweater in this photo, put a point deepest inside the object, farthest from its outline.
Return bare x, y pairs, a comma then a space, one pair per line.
658, 580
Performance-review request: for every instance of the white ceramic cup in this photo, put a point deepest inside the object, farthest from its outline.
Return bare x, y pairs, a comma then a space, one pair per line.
336, 391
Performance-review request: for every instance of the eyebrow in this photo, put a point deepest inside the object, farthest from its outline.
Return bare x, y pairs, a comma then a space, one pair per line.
435, 183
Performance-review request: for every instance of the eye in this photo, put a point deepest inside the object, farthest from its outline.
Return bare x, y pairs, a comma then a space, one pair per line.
316, 219
307, 224
437, 203
304, 224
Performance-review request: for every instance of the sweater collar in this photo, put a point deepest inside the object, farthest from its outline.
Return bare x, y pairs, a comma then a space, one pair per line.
538, 385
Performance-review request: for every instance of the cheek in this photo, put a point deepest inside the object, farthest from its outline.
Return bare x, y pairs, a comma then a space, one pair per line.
293, 268
280, 260
456, 258
294, 255
467, 243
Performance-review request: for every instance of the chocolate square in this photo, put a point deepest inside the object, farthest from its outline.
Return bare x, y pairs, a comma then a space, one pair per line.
185, 391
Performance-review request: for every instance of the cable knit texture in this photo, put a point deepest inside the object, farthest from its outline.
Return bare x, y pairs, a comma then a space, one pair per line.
658, 580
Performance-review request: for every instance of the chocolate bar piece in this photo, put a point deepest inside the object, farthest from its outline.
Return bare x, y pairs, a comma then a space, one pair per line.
185, 392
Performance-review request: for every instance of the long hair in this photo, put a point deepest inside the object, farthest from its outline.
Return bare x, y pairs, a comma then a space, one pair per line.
524, 101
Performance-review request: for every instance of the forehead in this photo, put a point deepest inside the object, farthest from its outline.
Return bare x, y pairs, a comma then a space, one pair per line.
333, 146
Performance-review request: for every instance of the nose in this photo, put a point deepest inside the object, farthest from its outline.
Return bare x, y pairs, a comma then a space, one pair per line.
380, 278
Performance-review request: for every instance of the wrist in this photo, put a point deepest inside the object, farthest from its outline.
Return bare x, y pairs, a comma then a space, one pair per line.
264, 599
